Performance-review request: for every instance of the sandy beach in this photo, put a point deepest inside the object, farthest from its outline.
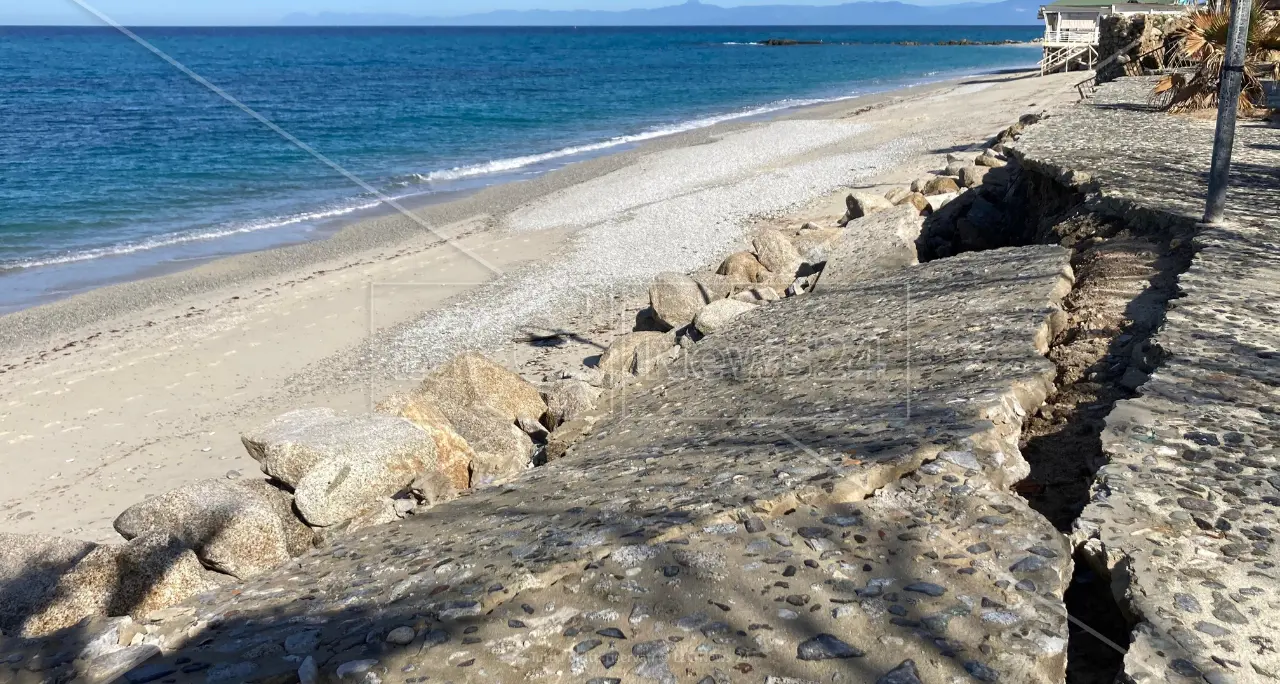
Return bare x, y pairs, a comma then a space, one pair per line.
127, 391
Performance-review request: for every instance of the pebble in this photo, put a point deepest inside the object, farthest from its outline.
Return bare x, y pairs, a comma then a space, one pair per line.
401, 636
927, 588
904, 673
827, 647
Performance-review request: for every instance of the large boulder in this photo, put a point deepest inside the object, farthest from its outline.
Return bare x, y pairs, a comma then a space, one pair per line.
940, 185
937, 202
635, 354
954, 168
676, 299
897, 195
298, 538
776, 253
146, 574
232, 528
568, 400
501, 449
758, 294
392, 452
30, 567
453, 452
990, 160
861, 204
718, 315
715, 286
812, 244
291, 444
473, 379
874, 246
971, 176
917, 200
744, 267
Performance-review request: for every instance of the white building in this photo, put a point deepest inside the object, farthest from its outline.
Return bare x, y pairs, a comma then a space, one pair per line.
1071, 29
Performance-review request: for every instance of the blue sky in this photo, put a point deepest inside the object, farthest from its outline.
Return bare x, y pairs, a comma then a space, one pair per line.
270, 11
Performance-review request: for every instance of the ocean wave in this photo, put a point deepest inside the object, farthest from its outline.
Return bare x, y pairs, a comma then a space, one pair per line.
746, 44
172, 239
516, 163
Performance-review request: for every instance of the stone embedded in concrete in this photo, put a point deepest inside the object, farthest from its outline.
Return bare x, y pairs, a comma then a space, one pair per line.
873, 246
233, 529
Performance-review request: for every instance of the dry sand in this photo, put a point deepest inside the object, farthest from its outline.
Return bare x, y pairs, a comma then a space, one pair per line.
128, 391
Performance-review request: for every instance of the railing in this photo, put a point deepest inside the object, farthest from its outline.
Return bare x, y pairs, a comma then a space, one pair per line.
1072, 36
1092, 82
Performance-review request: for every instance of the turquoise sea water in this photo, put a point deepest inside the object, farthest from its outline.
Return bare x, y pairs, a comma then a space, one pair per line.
112, 160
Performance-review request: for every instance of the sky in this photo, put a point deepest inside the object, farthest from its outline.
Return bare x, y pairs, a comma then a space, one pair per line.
237, 12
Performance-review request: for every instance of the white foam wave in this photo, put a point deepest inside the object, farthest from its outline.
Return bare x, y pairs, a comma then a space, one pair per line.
172, 239
516, 163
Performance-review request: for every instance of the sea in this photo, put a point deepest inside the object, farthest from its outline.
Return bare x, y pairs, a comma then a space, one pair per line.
119, 160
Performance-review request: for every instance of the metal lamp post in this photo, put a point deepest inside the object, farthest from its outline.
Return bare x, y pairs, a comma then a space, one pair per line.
1228, 100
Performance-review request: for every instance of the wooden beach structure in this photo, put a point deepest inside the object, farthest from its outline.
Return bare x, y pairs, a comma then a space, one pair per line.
1072, 29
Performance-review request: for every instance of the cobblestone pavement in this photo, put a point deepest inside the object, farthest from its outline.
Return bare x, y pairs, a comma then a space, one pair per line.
1184, 516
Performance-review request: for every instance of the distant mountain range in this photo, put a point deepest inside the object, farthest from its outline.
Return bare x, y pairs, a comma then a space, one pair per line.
695, 13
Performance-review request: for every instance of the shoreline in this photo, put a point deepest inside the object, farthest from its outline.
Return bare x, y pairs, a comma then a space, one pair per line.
156, 394
369, 217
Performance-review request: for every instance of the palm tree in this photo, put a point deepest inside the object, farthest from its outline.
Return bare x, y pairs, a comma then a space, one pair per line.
1202, 38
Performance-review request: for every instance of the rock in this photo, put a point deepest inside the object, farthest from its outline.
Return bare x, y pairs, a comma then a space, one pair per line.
379, 512
146, 574
717, 315
714, 286
676, 299
433, 487
560, 441
289, 445
827, 647
391, 454
918, 185
568, 400
916, 200
940, 185
873, 246
308, 671
501, 449
473, 379
298, 538
758, 294
862, 204
954, 168
401, 636
743, 267
904, 673
990, 160
937, 202
233, 529
111, 666
971, 176
453, 452
777, 254
635, 355
812, 245
897, 196
30, 567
